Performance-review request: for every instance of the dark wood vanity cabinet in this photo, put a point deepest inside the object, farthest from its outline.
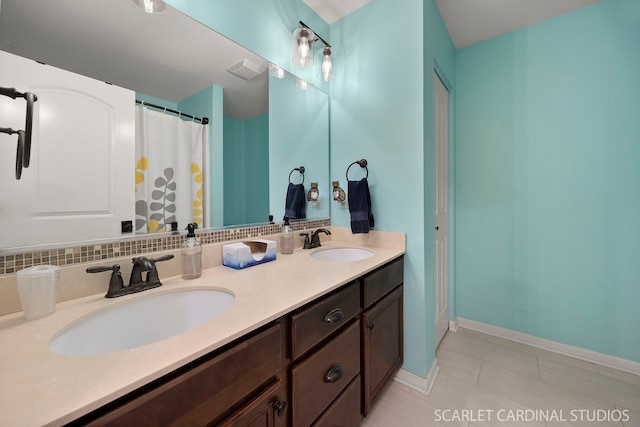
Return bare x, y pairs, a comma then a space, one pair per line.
357, 331
243, 377
325, 348
382, 329
268, 409
322, 365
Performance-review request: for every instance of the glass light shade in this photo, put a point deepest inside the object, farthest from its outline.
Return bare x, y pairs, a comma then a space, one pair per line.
302, 47
326, 70
276, 71
151, 6
303, 84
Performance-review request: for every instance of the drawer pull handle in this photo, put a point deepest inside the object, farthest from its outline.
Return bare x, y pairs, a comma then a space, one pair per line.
334, 316
280, 407
371, 326
334, 374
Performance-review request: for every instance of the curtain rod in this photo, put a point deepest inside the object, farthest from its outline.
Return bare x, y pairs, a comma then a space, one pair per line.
203, 120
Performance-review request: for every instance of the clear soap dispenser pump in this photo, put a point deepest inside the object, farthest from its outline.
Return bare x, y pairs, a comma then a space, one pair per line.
191, 255
286, 240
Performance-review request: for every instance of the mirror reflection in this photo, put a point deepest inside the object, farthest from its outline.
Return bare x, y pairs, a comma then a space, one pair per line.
174, 62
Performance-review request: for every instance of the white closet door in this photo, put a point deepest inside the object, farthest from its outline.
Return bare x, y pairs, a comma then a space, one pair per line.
80, 183
441, 129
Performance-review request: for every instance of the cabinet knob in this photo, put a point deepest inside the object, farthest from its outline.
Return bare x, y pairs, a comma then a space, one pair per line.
334, 374
280, 407
334, 316
371, 326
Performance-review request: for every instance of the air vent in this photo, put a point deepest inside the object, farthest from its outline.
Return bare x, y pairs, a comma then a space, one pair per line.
246, 69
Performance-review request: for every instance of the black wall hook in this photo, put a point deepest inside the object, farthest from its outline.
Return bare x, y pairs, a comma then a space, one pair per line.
19, 150
23, 155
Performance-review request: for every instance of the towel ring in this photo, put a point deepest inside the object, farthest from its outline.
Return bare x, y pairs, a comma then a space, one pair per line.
362, 163
301, 170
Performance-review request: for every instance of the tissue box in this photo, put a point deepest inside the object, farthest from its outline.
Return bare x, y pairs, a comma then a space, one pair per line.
246, 254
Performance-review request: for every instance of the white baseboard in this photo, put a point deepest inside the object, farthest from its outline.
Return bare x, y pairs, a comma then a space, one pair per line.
416, 382
453, 325
554, 346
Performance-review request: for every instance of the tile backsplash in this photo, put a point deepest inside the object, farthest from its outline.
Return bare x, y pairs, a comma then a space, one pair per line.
12, 263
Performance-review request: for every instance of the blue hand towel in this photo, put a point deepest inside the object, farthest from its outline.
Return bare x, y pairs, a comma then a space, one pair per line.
296, 203
360, 206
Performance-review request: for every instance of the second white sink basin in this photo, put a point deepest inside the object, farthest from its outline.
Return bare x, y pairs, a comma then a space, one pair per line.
141, 322
341, 254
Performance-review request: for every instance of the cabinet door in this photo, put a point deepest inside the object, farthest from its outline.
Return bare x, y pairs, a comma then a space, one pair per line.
268, 409
382, 345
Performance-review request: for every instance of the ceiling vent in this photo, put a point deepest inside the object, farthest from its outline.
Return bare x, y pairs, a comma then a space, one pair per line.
246, 69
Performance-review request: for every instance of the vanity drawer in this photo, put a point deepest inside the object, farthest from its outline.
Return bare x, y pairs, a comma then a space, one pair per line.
381, 282
204, 393
345, 411
317, 321
317, 380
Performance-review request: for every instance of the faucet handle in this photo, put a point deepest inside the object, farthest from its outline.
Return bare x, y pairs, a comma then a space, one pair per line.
162, 258
115, 283
307, 241
101, 268
152, 275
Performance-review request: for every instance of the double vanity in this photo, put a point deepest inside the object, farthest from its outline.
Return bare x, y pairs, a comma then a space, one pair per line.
310, 339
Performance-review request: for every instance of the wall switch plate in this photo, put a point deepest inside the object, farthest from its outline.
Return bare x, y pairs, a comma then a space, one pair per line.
126, 226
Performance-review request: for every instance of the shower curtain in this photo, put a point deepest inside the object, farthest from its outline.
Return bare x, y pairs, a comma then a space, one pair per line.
169, 171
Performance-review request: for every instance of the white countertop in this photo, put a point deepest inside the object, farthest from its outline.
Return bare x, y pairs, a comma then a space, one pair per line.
39, 387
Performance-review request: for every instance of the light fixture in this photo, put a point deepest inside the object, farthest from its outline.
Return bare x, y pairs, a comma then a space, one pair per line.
303, 39
151, 6
276, 71
302, 50
326, 68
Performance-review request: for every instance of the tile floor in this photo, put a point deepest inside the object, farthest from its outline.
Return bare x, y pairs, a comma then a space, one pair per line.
485, 381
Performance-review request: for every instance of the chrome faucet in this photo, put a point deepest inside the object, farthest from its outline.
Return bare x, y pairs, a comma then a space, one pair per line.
315, 237
136, 284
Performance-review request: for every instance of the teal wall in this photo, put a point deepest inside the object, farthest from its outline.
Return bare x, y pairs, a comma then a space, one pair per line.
246, 172
547, 201
382, 110
381, 100
299, 128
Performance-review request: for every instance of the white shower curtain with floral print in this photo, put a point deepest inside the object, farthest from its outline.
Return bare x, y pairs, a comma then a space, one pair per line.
169, 171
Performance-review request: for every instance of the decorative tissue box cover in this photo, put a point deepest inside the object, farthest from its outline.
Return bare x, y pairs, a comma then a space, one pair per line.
247, 254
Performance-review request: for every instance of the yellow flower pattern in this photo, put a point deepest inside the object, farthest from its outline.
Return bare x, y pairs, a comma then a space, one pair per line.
197, 203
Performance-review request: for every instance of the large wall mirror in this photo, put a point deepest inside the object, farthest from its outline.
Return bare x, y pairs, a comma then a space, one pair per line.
259, 129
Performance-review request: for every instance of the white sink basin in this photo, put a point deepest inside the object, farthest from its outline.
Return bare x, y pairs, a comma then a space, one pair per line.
141, 322
341, 254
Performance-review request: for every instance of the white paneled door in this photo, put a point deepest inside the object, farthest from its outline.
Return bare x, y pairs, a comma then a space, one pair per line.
441, 148
80, 183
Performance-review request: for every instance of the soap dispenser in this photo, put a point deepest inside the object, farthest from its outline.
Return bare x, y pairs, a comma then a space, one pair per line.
191, 255
286, 240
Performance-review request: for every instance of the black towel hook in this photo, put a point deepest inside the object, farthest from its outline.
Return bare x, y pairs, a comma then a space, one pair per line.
301, 170
20, 151
23, 154
362, 163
